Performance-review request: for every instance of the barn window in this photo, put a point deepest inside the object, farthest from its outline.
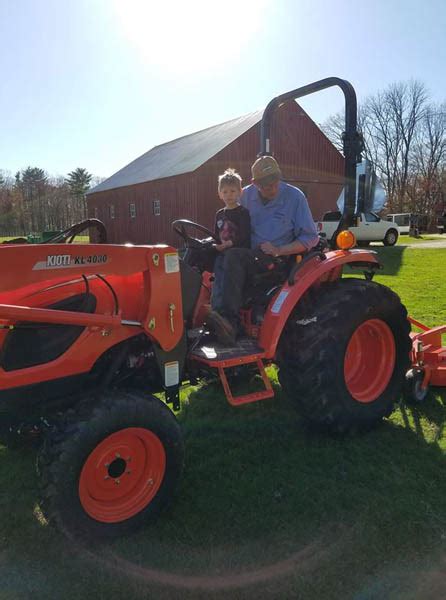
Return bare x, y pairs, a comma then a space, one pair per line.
112, 211
156, 208
132, 210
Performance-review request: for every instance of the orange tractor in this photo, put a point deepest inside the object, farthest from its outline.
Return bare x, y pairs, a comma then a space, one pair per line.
89, 333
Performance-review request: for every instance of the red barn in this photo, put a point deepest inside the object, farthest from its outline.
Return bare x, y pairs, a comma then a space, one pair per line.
179, 179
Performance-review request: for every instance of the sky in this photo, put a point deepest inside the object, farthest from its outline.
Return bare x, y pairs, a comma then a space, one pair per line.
96, 83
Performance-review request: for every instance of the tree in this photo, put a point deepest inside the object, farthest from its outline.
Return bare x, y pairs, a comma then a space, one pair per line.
32, 183
428, 164
31, 201
79, 182
334, 128
389, 121
8, 216
392, 119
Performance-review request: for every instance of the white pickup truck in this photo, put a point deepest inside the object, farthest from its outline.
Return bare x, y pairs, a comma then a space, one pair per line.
371, 228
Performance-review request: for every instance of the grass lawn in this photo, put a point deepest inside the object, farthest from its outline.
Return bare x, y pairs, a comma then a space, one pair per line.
267, 508
419, 277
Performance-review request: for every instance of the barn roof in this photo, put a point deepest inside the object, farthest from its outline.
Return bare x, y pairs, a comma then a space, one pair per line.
182, 155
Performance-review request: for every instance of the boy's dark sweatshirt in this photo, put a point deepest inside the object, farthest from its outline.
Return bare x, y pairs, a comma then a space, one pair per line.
233, 224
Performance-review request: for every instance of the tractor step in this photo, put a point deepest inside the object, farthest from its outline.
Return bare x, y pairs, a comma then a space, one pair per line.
245, 352
212, 353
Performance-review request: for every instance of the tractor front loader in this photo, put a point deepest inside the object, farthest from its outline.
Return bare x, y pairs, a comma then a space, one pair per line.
80, 325
89, 333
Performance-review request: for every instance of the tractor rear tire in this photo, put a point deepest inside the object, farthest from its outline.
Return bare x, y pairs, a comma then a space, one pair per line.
111, 465
344, 353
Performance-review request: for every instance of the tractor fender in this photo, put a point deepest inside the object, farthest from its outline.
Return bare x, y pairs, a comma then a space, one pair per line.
314, 271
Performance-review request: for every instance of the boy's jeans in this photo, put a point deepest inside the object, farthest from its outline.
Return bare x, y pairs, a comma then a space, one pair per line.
233, 269
217, 286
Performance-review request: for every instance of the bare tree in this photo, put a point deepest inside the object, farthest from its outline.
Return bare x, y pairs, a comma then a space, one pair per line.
408, 108
333, 128
7, 215
389, 121
428, 162
59, 205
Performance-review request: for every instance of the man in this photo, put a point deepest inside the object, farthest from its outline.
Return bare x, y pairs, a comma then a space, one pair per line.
281, 225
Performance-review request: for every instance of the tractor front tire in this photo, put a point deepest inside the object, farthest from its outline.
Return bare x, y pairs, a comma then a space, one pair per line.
111, 465
344, 353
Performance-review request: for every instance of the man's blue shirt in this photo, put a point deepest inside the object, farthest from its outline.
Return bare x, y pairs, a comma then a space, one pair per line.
281, 221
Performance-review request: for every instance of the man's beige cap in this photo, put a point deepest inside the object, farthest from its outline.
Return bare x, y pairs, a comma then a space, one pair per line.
265, 170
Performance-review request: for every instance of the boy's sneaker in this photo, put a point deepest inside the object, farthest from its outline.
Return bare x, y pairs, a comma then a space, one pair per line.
223, 329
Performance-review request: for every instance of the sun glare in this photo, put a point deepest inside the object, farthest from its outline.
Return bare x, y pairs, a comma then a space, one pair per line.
180, 37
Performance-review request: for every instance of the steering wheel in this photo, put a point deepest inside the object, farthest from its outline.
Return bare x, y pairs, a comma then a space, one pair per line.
181, 226
69, 234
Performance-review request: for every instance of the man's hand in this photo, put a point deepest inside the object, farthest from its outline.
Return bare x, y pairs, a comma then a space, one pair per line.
269, 249
223, 245
295, 247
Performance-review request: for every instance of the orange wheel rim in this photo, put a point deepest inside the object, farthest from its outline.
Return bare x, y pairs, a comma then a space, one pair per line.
369, 360
122, 475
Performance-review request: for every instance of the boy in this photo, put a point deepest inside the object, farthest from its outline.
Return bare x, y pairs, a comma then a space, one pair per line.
232, 227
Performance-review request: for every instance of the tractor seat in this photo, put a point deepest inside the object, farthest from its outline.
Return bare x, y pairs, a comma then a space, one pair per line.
274, 272
279, 268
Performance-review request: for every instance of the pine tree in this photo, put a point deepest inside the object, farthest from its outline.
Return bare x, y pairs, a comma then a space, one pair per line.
32, 182
79, 182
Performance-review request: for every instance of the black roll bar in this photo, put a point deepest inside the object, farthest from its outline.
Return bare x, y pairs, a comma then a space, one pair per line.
352, 139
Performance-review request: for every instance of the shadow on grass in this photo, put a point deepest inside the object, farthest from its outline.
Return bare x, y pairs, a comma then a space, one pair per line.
267, 508
433, 409
391, 259
260, 488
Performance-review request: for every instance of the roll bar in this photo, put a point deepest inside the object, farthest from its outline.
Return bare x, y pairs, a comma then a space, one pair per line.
352, 139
